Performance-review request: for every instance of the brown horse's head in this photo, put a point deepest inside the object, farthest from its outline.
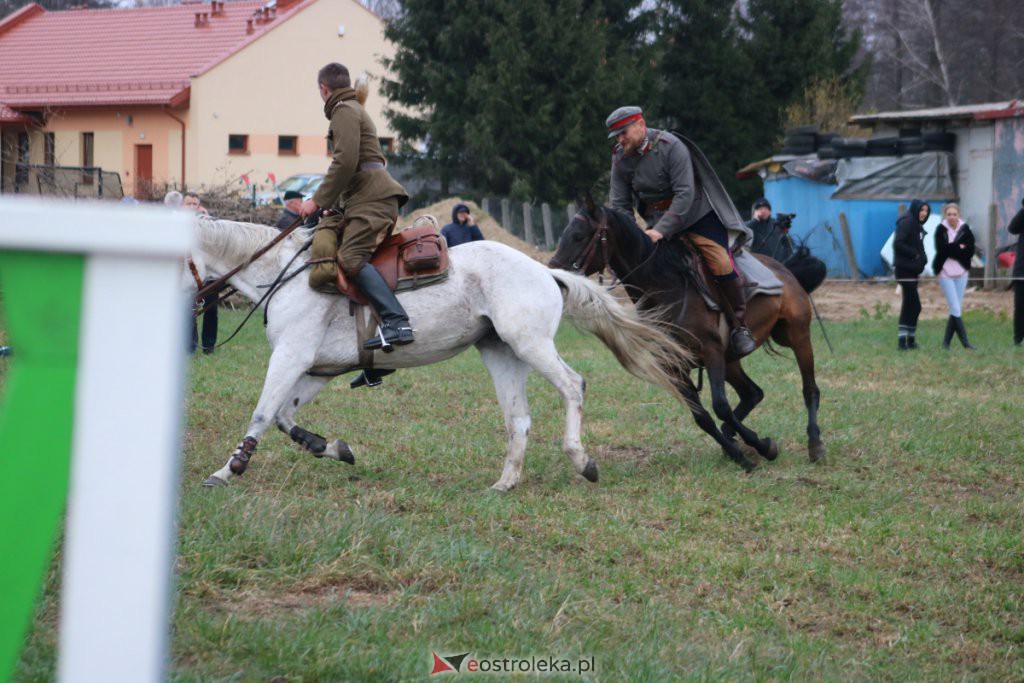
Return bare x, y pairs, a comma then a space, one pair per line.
583, 246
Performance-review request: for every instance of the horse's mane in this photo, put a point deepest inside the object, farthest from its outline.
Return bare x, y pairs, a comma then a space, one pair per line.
664, 259
236, 241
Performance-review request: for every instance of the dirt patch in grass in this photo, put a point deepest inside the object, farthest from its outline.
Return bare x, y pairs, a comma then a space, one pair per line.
613, 453
855, 300
356, 592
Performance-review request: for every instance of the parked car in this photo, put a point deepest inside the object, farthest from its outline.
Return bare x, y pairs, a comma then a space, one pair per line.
306, 183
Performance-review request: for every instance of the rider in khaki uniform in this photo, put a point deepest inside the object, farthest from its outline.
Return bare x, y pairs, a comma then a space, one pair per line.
358, 183
677, 193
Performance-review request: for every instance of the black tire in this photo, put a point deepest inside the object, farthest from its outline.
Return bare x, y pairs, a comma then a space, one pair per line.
852, 143
800, 140
910, 146
801, 130
829, 153
882, 152
887, 142
825, 139
940, 136
910, 133
797, 151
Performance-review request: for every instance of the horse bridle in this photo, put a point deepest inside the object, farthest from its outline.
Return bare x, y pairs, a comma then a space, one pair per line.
599, 240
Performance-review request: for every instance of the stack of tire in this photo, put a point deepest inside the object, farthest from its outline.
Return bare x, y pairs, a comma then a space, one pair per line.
909, 141
800, 141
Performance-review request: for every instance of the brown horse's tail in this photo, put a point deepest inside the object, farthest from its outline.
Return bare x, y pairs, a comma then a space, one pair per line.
643, 347
810, 271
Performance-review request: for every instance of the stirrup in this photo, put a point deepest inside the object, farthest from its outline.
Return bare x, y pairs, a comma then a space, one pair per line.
388, 337
742, 342
370, 378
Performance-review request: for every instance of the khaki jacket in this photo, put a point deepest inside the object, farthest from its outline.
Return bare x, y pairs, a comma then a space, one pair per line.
355, 143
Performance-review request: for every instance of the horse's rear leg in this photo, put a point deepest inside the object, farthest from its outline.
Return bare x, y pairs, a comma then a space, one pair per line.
799, 338
704, 420
283, 373
302, 393
509, 375
540, 353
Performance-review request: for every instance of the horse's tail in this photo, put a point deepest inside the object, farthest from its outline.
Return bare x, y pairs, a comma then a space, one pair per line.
810, 271
643, 347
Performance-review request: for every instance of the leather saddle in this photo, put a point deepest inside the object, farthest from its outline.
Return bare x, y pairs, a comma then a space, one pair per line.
757, 278
411, 258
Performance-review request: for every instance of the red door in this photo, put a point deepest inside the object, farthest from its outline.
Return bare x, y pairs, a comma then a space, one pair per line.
143, 170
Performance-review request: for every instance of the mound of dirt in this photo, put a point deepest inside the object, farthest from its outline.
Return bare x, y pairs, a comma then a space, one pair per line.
490, 228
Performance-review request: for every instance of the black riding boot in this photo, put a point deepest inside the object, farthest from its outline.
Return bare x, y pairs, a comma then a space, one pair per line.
394, 329
948, 336
370, 377
961, 333
740, 340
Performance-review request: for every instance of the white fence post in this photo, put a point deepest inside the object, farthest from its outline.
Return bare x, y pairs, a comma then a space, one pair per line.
549, 235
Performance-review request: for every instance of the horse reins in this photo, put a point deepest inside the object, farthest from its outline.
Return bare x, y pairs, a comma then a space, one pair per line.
221, 282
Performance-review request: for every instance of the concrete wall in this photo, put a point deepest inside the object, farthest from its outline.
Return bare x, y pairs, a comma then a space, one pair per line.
269, 89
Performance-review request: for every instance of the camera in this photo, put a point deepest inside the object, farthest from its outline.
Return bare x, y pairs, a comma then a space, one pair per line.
785, 220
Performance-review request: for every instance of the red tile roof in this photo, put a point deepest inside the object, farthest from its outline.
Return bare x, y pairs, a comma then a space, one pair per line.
121, 56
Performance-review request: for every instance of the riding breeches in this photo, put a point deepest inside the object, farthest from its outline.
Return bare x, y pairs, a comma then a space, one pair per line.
716, 257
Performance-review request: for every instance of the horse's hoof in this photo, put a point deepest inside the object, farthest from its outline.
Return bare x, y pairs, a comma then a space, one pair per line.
772, 451
816, 452
501, 488
590, 472
213, 482
344, 451
749, 467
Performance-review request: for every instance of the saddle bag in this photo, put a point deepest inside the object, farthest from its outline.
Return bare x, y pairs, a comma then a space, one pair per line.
421, 253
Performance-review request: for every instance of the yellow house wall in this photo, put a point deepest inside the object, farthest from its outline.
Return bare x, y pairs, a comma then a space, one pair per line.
116, 132
269, 89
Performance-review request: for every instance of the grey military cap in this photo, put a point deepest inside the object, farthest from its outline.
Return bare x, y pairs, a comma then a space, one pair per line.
622, 117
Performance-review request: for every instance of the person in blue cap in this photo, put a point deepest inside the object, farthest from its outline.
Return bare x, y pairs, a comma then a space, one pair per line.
673, 187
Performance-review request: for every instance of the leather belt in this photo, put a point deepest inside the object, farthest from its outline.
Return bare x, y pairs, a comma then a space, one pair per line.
371, 166
660, 204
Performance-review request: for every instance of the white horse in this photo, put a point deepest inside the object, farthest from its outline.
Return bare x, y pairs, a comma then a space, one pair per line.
495, 298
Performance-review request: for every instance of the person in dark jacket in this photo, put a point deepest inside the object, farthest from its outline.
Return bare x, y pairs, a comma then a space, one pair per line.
292, 204
1016, 227
909, 260
770, 237
463, 227
954, 248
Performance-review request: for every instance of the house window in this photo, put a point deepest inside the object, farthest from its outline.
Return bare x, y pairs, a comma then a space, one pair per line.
88, 149
288, 144
387, 145
238, 144
49, 149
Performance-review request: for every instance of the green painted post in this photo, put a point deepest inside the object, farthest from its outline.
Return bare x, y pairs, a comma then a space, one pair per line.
42, 300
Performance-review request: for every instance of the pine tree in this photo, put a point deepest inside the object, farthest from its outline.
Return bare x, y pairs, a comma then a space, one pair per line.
511, 95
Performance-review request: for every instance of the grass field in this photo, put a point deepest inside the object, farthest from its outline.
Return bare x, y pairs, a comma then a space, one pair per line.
900, 557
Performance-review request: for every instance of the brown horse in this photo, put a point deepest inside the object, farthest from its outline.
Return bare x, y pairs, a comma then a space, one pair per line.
656, 279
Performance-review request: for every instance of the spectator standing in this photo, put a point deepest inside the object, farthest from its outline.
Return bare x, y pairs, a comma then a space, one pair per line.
1016, 227
954, 248
463, 227
191, 202
292, 204
770, 237
909, 260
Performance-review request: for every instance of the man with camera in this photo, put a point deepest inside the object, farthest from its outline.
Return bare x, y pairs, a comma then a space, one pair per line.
771, 237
